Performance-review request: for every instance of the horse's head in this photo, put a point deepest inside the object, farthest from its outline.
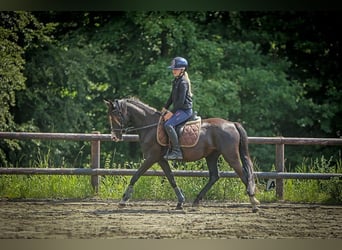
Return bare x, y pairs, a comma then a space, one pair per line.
130, 112
117, 118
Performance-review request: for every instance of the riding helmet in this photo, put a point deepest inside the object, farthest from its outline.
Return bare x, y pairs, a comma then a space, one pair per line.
178, 63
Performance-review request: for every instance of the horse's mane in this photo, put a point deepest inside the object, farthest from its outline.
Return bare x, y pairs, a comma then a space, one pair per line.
135, 101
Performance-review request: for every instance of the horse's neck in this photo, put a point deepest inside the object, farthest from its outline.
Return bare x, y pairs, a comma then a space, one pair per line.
141, 116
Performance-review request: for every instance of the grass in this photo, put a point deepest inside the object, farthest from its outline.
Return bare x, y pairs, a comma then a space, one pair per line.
321, 191
158, 188
45, 186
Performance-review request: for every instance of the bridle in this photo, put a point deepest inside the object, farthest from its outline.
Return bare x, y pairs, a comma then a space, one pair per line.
116, 109
123, 120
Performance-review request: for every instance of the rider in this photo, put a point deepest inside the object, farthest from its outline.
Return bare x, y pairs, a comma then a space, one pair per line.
181, 98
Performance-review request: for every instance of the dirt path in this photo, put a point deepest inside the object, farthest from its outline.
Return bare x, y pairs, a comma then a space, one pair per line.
151, 220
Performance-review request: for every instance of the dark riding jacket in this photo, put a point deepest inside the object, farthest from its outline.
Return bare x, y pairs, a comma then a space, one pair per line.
180, 95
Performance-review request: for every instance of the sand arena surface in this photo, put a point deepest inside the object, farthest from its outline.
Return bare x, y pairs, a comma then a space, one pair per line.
96, 219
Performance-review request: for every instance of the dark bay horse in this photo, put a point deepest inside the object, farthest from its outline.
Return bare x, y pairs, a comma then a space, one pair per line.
217, 137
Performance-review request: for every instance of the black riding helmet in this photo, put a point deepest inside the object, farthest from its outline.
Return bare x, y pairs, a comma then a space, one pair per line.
178, 63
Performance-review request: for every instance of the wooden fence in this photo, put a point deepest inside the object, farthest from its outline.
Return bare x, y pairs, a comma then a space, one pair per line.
95, 172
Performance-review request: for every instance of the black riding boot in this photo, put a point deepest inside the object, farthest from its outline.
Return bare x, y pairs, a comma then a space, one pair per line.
176, 153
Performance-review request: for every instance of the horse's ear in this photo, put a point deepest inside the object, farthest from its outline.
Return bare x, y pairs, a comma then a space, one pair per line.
108, 102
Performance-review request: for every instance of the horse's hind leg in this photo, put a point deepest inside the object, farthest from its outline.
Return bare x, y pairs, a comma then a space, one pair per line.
246, 170
247, 166
213, 176
246, 177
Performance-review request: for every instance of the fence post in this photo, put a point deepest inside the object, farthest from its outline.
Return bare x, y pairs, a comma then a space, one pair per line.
95, 162
280, 166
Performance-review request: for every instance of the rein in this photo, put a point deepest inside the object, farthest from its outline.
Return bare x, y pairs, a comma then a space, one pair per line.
130, 129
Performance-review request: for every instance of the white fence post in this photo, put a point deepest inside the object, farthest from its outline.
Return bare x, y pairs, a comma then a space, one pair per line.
280, 158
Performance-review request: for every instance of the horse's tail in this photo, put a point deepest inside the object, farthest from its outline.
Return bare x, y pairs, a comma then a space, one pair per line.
245, 159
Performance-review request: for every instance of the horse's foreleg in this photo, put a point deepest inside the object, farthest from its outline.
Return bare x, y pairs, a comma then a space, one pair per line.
126, 196
129, 190
169, 175
213, 177
180, 196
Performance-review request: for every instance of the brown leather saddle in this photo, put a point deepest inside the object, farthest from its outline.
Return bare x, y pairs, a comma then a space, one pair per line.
188, 132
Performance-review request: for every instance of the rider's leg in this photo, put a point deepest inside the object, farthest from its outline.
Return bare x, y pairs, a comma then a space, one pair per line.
176, 153
177, 118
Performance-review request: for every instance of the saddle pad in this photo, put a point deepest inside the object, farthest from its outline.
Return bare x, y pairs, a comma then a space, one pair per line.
188, 137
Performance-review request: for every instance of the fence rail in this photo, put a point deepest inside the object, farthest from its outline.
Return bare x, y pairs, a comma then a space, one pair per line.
183, 173
65, 136
95, 172
134, 138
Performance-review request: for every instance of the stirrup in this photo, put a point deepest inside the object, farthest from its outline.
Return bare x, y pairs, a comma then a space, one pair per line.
173, 155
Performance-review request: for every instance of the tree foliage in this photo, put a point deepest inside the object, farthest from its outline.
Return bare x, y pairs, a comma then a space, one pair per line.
19, 32
277, 73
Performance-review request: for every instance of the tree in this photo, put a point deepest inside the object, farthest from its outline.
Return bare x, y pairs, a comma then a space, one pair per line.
309, 41
275, 72
19, 31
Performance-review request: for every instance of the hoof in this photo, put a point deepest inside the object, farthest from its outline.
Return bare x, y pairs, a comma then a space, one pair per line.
254, 200
194, 208
195, 204
122, 204
255, 209
179, 206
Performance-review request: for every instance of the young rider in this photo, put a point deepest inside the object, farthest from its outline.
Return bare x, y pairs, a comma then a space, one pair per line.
181, 99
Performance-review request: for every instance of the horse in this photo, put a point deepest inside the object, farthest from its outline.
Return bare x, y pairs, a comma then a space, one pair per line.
217, 137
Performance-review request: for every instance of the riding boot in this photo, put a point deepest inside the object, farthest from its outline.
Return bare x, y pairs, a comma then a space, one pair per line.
176, 153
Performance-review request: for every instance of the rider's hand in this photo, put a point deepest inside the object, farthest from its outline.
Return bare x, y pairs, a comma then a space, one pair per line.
167, 115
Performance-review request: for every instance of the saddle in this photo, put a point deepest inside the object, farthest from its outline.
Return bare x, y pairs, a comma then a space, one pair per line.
188, 132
